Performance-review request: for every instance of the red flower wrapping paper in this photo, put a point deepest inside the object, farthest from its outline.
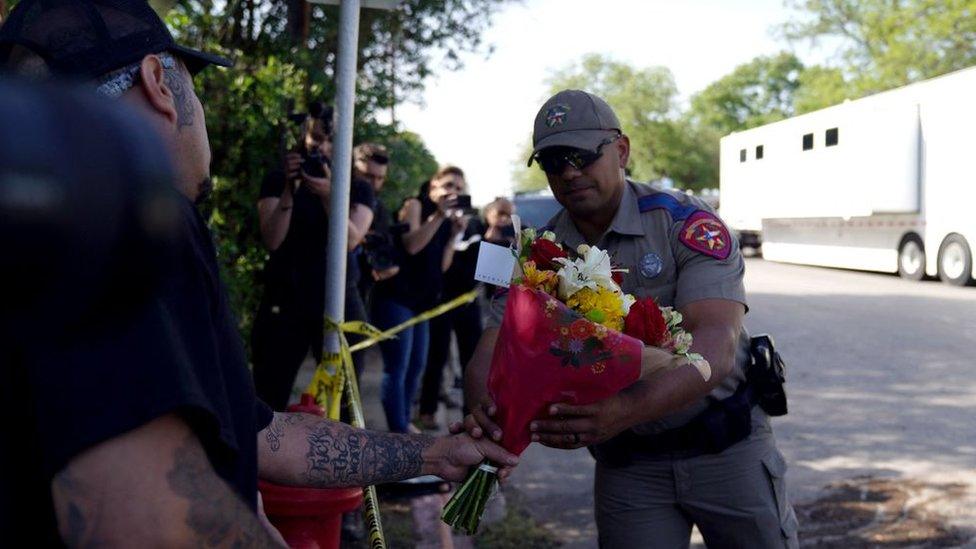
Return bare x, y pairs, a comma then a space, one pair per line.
547, 353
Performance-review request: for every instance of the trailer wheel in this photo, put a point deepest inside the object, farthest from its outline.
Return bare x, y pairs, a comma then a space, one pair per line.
911, 258
955, 261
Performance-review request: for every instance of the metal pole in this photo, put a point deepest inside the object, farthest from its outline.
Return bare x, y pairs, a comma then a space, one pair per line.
337, 252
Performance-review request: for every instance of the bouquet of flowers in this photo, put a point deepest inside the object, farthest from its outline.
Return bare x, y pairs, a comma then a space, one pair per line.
569, 334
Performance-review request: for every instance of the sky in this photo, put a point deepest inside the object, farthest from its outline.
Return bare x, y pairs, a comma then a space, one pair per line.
479, 117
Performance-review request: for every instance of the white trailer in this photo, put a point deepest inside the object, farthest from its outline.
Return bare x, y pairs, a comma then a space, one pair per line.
884, 183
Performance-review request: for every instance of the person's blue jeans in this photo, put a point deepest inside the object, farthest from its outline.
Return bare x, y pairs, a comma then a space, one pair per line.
404, 359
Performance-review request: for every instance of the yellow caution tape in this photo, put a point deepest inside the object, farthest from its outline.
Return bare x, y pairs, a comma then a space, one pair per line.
336, 372
462, 299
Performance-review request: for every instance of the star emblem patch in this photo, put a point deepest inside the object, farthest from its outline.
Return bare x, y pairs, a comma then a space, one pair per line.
556, 115
706, 234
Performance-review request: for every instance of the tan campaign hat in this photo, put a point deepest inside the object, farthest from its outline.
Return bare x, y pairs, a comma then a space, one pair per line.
573, 118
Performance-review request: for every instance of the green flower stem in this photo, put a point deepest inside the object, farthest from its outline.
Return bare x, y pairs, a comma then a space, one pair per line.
464, 510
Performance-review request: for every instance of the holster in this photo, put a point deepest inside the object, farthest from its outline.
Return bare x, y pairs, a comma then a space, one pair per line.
722, 424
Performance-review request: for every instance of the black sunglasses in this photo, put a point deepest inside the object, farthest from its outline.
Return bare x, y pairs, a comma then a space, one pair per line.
554, 160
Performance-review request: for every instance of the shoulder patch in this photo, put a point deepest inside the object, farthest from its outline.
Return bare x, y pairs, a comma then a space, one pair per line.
665, 201
706, 234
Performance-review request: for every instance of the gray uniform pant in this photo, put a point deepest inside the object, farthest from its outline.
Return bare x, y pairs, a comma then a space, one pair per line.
736, 498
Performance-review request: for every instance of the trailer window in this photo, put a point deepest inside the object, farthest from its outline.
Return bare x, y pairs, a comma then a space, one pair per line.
808, 141
759, 152
742, 155
831, 139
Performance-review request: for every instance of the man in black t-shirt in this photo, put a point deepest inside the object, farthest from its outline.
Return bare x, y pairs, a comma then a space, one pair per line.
144, 430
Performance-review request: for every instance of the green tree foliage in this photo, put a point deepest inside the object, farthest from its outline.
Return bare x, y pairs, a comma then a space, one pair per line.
529, 178
755, 93
285, 52
820, 87
889, 43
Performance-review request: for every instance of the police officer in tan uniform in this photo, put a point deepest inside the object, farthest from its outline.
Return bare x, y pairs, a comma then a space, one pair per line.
673, 450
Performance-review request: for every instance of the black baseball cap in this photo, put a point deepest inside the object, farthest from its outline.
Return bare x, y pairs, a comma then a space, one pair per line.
90, 38
573, 118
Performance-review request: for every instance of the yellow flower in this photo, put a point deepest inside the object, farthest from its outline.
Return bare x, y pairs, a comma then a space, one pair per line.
539, 279
601, 305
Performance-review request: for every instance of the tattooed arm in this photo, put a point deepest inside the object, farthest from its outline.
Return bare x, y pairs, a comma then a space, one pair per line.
152, 486
304, 450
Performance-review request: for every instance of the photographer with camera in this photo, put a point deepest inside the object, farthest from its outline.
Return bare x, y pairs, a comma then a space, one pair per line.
293, 210
429, 223
379, 255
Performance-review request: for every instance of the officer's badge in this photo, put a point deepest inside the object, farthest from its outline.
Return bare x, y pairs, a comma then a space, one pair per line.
706, 234
556, 115
650, 265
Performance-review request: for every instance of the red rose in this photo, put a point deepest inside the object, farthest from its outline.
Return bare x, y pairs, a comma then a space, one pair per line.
543, 252
646, 323
618, 277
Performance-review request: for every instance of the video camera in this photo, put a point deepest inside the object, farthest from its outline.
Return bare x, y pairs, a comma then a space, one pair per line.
379, 252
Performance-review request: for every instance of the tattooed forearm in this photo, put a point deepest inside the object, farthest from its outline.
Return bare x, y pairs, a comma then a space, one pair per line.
216, 515
276, 430
338, 455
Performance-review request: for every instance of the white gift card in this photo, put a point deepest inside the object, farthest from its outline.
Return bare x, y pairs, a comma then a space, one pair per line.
495, 264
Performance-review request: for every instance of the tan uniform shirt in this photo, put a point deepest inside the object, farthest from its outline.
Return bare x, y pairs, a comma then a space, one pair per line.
652, 246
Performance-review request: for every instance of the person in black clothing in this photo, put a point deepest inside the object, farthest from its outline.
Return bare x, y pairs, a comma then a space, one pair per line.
293, 210
379, 255
431, 222
140, 427
465, 321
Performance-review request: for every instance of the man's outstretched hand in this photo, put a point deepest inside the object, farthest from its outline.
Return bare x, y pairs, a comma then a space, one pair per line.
452, 456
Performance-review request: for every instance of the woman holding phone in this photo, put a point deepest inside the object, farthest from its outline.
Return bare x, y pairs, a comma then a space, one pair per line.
429, 223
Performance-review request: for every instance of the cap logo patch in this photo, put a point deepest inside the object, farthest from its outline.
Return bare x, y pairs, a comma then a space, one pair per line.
556, 115
706, 234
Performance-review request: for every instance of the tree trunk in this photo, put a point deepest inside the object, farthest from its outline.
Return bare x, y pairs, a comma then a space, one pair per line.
297, 21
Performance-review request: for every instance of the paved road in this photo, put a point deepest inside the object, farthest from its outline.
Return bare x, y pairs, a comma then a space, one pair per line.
882, 381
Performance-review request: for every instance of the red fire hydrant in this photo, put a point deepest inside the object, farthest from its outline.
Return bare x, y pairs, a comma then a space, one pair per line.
308, 518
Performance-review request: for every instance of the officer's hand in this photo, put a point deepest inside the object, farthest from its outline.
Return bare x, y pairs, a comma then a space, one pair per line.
479, 421
292, 166
458, 453
570, 427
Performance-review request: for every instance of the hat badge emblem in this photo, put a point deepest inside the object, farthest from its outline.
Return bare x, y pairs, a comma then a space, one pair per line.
556, 115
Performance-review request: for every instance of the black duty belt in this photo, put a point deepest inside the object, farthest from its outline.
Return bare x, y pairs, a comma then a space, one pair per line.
722, 424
